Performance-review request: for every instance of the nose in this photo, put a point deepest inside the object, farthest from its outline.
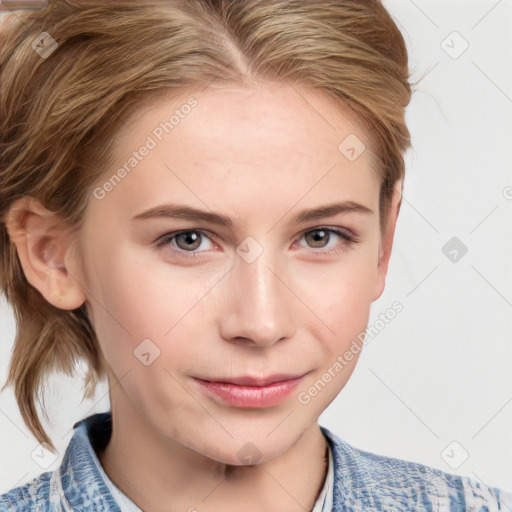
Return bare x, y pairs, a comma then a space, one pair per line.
256, 303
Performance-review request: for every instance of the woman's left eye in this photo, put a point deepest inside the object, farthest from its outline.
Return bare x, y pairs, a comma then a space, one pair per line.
316, 237
189, 241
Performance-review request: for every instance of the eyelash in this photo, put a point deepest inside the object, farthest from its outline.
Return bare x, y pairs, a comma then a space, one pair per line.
166, 239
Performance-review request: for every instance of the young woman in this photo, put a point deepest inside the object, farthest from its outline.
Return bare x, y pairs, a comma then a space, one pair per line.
198, 199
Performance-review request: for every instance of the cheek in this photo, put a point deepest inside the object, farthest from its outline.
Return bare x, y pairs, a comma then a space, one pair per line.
121, 297
346, 299
345, 309
141, 298
343, 290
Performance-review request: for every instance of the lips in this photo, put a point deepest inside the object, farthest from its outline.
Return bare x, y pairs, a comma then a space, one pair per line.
248, 392
255, 381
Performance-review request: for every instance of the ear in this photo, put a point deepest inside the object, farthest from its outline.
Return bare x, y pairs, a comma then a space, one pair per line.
45, 251
387, 238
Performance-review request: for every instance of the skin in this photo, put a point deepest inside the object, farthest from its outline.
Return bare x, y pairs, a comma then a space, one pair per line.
259, 155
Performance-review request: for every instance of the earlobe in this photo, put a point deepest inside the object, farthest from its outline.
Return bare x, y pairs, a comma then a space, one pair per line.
42, 245
386, 245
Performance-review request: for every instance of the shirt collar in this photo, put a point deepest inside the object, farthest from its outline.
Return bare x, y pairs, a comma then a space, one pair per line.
79, 481
93, 433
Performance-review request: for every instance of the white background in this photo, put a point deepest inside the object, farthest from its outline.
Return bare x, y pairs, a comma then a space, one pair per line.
439, 374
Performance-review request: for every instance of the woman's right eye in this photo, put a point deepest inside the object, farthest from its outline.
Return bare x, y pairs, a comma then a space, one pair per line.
185, 241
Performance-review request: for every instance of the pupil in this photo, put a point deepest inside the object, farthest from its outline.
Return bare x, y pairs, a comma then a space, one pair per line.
190, 238
318, 235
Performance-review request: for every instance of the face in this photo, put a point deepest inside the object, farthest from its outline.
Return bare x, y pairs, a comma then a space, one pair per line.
271, 292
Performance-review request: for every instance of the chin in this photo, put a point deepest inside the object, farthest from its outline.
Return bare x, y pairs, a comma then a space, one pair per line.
238, 453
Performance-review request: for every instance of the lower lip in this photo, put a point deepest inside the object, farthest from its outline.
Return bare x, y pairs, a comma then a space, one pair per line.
255, 397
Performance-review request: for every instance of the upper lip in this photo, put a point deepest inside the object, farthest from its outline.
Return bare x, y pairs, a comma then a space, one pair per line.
247, 380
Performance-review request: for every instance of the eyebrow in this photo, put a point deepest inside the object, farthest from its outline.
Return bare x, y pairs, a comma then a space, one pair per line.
184, 212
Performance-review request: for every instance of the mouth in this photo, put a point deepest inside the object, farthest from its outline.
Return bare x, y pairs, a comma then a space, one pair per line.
251, 392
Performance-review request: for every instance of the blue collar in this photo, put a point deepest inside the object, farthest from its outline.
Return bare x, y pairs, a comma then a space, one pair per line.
92, 434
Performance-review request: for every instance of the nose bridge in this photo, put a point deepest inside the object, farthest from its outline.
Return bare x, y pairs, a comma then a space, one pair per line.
258, 307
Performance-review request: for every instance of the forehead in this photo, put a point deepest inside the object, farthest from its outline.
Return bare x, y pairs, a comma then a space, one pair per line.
267, 143
234, 112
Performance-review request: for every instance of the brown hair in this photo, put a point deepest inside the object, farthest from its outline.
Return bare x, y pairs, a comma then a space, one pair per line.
59, 116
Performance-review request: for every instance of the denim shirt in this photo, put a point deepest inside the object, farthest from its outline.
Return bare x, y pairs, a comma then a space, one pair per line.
363, 481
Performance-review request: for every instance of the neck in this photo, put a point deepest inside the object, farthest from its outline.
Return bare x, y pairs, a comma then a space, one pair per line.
159, 473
